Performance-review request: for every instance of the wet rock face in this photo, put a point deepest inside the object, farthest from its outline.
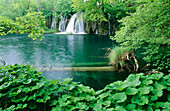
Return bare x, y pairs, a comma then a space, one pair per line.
101, 29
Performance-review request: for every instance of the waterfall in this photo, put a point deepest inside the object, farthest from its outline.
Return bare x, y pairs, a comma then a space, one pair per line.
53, 24
79, 27
96, 31
76, 24
70, 27
62, 24
109, 24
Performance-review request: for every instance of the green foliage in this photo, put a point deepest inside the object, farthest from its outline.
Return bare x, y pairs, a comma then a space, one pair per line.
6, 24
16, 8
93, 10
50, 8
32, 23
116, 55
23, 88
50, 31
102, 10
149, 31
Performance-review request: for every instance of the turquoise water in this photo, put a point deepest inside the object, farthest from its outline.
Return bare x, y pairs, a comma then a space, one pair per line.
60, 51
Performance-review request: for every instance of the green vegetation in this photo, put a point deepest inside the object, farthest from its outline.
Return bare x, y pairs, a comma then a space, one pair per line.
95, 11
23, 88
116, 55
145, 26
32, 23
148, 31
50, 31
101, 11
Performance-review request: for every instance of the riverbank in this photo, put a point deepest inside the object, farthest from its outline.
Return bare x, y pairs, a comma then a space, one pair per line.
51, 31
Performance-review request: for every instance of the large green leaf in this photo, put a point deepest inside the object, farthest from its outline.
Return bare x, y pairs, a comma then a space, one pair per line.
104, 94
165, 105
144, 90
120, 97
133, 80
156, 76
81, 105
107, 103
157, 92
149, 108
153, 97
118, 85
131, 106
120, 108
97, 107
110, 109
140, 100
131, 91
147, 81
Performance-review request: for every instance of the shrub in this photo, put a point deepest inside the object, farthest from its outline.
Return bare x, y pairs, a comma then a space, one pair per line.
149, 32
116, 54
23, 88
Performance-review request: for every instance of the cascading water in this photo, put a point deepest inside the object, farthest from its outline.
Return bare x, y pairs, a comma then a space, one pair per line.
109, 23
76, 25
70, 27
62, 24
53, 24
79, 27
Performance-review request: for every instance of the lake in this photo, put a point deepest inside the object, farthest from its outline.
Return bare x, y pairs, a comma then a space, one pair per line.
61, 50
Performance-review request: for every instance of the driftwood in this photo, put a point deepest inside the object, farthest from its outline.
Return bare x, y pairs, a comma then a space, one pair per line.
127, 61
3, 62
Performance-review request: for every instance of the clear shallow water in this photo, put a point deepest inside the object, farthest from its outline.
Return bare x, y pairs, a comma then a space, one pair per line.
58, 50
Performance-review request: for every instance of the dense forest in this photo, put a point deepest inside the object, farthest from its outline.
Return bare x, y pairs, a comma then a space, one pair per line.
133, 24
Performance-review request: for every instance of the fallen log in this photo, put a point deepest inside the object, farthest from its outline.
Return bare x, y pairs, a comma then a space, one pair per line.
89, 64
80, 69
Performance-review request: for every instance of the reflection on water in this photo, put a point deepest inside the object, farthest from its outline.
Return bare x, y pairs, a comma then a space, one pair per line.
60, 50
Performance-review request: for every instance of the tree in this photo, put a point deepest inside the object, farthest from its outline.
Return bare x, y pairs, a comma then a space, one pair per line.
32, 23
148, 28
105, 12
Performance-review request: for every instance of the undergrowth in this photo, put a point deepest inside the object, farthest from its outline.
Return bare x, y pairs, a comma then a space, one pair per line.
23, 88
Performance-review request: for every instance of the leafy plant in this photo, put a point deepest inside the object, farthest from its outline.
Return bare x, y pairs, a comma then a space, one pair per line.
32, 23
149, 31
23, 88
6, 24
116, 54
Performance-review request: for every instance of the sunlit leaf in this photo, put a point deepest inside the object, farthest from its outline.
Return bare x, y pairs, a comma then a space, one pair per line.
144, 90
131, 91
131, 106
120, 97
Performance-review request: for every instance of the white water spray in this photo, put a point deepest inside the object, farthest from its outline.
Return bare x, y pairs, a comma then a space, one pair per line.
76, 25
62, 24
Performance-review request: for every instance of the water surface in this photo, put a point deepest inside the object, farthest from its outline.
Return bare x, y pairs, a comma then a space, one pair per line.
58, 50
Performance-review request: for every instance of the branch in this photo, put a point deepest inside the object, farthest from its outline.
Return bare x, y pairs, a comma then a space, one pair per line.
136, 62
3, 62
